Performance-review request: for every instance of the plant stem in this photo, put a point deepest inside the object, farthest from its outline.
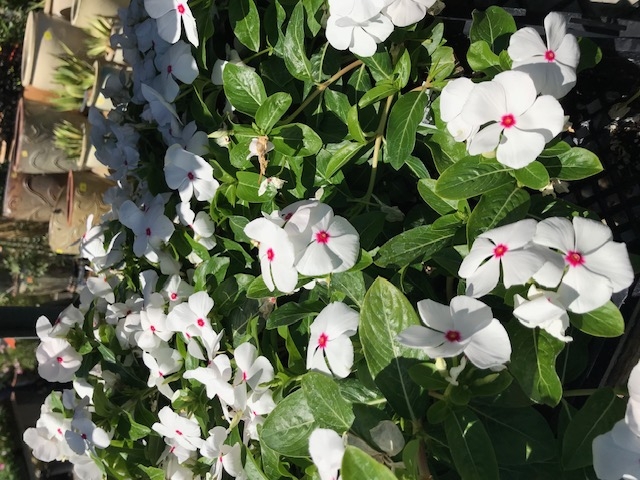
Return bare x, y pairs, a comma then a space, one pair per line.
423, 465
376, 148
585, 392
319, 89
256, 55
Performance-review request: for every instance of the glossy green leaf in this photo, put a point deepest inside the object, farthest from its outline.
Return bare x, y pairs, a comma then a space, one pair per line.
385, 313
377, 93
493, 26
443, 61
327, 405
295, 140
470, 446
406, 114
533, 363
576, 164
402, 70
248, 186
470, 177
605, 321
519, 435
506, 204
292, 312
598, 415
272, 110
418, 243
216, 266
534, 175
379, 64
252, 469
341, 157
353, 123
295, 57
428, 376
244, 88
245, 22
357, 465
287, 428
481, 58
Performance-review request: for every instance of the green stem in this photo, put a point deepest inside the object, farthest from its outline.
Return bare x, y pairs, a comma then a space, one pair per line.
423, 465
585, 392
256, 55
319, 89
376, 148
436, 395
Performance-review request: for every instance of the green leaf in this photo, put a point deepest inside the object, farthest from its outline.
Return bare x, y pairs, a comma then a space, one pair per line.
481, 58
295, 140
443, 61
357, 465
379, 65
419, 242
129, 428
598, 415
252, 469
385, 313
245, 22
272, 110
153, 473
291, 312
405, 116
351, 284
353, 123
287, 428
470, 446
590, 53
327, 405
470, 177
519, 435
402, 70
534, 175
341, 157
295, 57
506, 204
493, 26
244, 88
533, 363
248, 185
605, 321
428, 376
576, 164
216, 266
377, 93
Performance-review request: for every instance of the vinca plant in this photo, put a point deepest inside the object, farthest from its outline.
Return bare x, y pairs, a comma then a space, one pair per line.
335, 251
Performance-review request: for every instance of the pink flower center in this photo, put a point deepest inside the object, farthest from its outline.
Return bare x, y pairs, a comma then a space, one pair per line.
178, 432
180, 9
452, 336
322, 340
288, 216
270, 254
148, 232
169, 69
59, 359
191, 176
59, 431
575, 259
200, 322
500, 250
173, 296
244, 376
322, 237
153, 329
549, 55
508, 120
84, 436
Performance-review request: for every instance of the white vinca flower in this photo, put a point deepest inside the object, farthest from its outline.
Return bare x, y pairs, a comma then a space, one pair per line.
552, 67
358, 25
545, 310
170, 15
58, 361
465, 326
518, 123
276, 254
407, 12
176, 63
595, 266
190, 174
453, 98
184, 431
330, 350
326, 449
505, 248
616, 454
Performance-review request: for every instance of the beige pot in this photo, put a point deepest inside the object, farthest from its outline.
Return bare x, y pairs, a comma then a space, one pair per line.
84, 12
42, 47
81, 197
35, 150
32, 197
58, 8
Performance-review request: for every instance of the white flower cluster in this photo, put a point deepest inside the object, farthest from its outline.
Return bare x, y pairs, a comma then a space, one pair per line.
306, 238
616, 453
359, 25
506, 114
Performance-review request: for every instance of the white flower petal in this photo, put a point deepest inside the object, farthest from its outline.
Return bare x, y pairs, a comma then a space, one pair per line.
486, 140
524, 44
556, 28
490, 347
519, 90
